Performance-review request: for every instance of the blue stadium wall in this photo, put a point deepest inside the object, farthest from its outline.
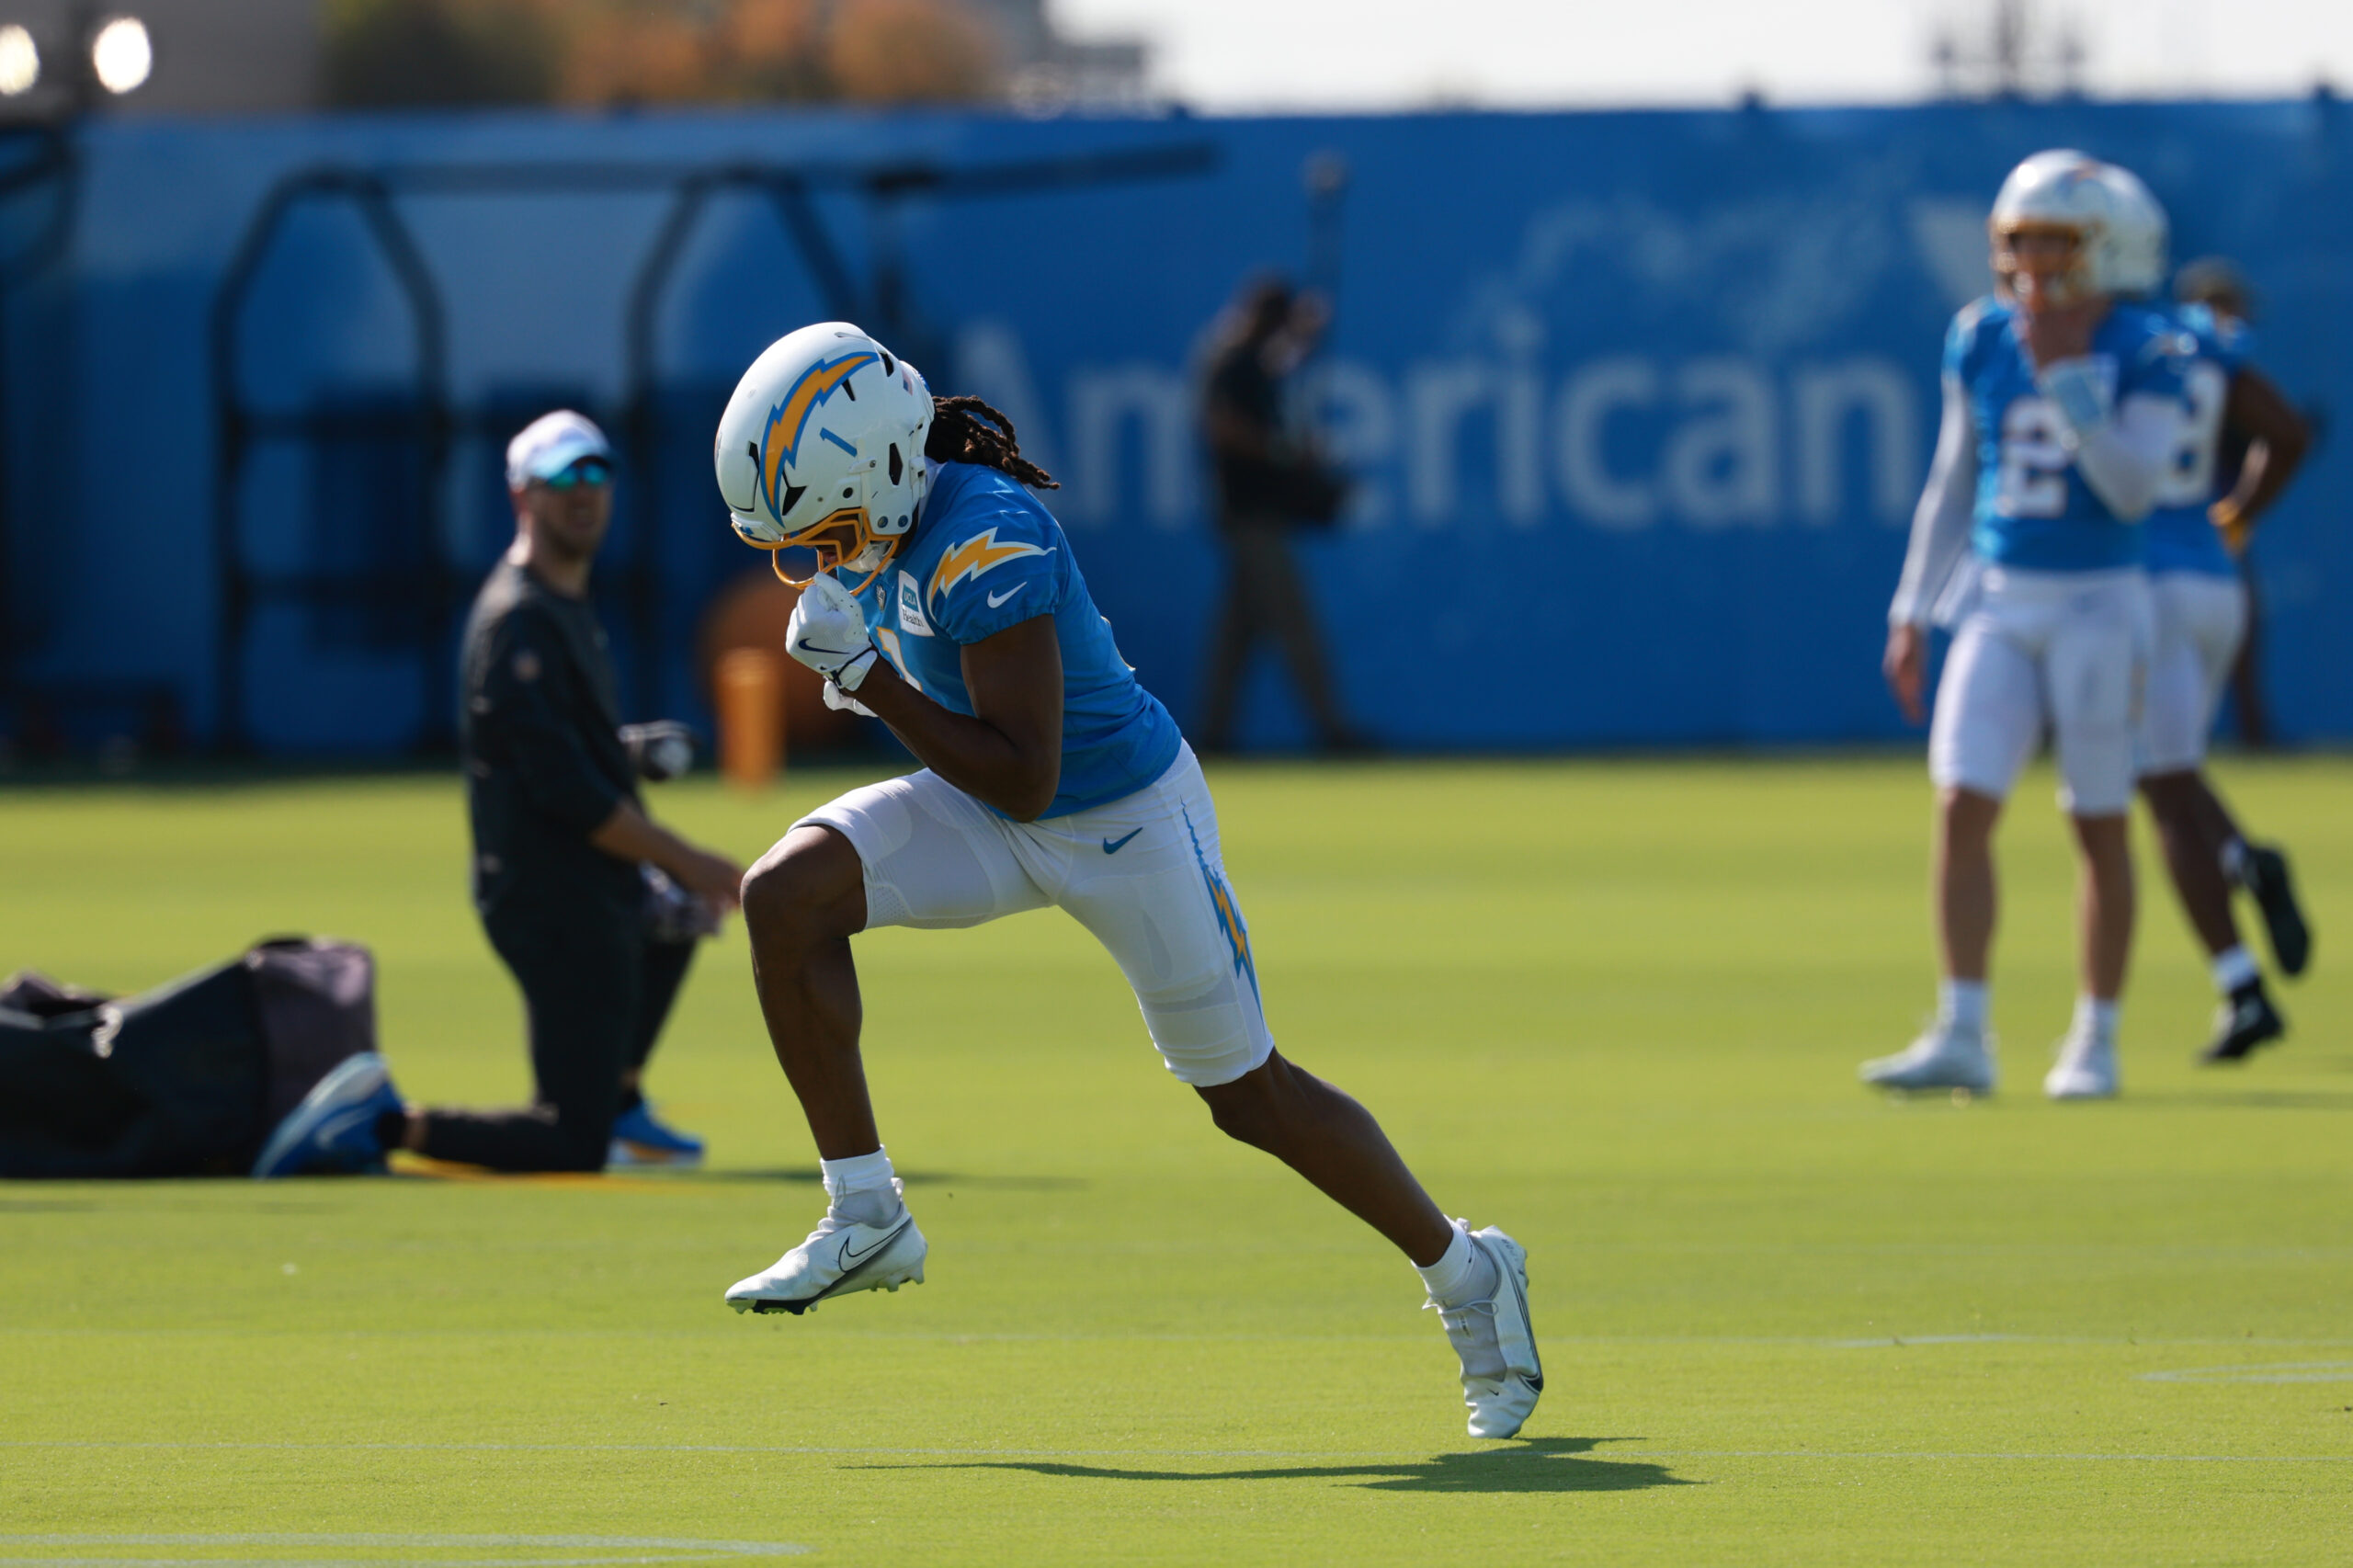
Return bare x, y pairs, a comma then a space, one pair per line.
1638, 402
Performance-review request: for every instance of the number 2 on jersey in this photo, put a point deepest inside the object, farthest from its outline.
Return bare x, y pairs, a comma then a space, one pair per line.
2034, 461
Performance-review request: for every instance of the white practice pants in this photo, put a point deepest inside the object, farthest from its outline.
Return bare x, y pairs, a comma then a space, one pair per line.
2201, 620
1142, 873
2066, 651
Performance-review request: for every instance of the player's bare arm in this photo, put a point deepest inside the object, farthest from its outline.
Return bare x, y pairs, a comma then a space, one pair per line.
1010, 752
2278, 440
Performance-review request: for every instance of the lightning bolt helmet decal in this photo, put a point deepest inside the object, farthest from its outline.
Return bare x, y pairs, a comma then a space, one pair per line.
780, 440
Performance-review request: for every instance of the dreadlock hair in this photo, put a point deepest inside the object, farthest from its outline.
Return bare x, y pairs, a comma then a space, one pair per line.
966, 430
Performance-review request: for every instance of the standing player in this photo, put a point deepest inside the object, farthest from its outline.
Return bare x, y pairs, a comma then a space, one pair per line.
2060, 413
2202, 518
1052, 778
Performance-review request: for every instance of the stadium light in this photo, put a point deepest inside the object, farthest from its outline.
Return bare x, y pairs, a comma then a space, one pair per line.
121, 55
20, 60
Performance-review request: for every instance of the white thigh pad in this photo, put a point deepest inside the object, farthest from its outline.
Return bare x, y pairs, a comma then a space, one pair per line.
935, 857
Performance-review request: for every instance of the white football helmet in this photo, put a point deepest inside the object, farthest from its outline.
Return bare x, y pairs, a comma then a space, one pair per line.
2143, 234
821, 449
2102, 209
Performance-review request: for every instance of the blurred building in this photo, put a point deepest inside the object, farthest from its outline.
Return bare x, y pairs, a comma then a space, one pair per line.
1046, 69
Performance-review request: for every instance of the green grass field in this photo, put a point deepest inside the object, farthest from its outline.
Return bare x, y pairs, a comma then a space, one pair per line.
1614, 1007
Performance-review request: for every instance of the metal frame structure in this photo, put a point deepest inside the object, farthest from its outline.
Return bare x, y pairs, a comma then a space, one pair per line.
434, 423
50, 161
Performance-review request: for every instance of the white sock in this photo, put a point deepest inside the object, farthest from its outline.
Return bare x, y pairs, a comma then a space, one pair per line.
2095, 1016
2234, 861
1464, 1272
1962, 1003
858, 1189
2234, 968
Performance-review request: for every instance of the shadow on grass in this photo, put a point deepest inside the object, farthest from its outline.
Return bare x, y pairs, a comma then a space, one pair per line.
1539, 1464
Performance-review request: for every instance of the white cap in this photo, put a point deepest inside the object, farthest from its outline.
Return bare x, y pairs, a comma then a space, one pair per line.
551, 443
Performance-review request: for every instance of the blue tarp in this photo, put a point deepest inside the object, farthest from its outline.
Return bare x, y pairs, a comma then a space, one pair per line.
1639, 402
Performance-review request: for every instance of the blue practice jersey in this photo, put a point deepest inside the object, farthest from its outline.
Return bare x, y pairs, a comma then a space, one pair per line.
984, 556
2034, 511
2182, 538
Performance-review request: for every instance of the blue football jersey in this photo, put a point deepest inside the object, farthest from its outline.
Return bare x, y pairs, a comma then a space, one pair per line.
2034, 511
984, 556
2182, 538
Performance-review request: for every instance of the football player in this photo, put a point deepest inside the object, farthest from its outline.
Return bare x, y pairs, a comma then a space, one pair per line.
2060, 414
2206, 508
943, 599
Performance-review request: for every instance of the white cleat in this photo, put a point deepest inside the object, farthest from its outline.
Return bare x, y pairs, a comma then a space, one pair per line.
1493, 1335
2086, 1069
840, 1258
1945, 1058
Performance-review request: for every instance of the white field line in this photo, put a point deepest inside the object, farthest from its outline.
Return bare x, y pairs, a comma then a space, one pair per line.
1403, 1456
2259, 1373
945, 1336
604, 1551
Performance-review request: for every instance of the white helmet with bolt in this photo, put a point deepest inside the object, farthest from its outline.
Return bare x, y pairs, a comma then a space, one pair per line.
2105, 209
821, 448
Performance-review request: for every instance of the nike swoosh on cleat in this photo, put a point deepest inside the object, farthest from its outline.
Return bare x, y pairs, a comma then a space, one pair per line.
1112, 846
848, 1256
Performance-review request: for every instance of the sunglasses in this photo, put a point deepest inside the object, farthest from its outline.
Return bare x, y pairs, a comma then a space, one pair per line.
591, 471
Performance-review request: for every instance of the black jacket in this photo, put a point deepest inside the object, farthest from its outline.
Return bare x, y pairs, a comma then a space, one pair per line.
538, 730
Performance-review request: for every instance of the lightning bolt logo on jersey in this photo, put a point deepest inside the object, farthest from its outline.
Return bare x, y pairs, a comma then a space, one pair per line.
788, 421
983, 557
967, 562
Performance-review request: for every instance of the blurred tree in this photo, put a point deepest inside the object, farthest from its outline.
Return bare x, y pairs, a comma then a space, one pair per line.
381, 54
598, 53
911, 51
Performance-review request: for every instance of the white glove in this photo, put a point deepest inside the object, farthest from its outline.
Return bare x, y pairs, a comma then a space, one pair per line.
827, 632
841, 701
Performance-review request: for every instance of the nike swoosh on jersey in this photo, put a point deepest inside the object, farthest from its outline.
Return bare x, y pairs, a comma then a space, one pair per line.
996, 599
1112, 846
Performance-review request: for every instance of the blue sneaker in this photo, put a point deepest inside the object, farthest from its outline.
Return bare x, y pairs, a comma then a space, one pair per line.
639, 1139
332, 1131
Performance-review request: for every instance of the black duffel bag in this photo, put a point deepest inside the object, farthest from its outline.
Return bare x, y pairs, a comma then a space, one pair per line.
184, 1080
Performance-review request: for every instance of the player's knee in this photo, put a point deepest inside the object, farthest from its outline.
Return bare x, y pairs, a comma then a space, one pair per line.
2171, 796
791, 893
1244, 1118
1251, 1109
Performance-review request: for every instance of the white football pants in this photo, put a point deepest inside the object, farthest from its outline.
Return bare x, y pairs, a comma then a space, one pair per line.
1142, 873
2201, 619
2064, 650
